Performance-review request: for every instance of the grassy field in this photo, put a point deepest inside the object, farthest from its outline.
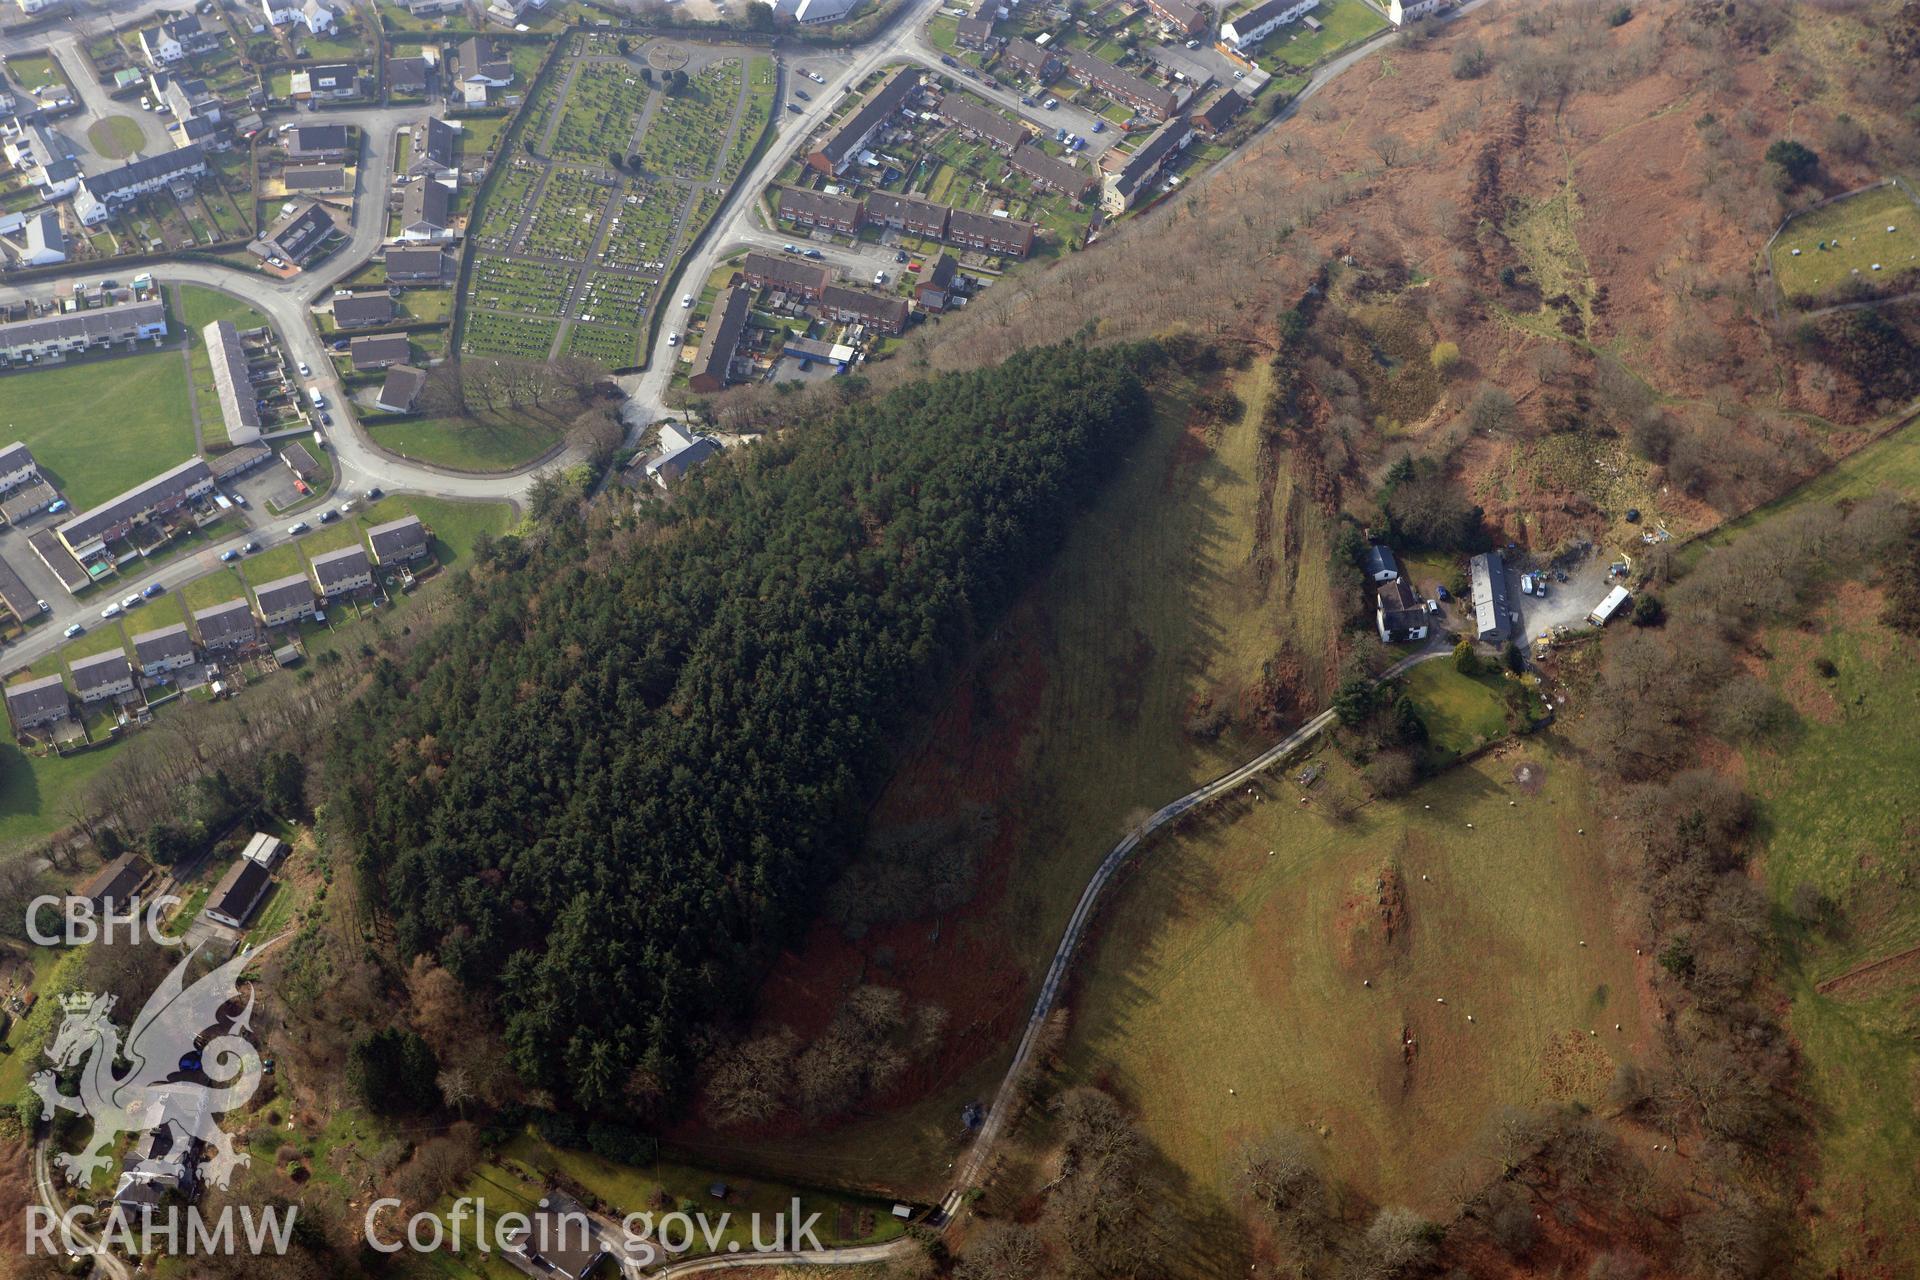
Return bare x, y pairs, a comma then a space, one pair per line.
34, 791
1075, 723
1224, 998
1462, 713
1855, 234
101, 426
1892, 462
1343, 22
115, 137
1834, 797
470, 444
30, 71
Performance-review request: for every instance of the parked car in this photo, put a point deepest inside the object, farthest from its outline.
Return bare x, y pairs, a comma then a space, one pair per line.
55, 507
298, 527
946, 60
44, 606
816, 77
73, 630
673, 339
133, 601
228, 557
1193, 44
239, 498
900, 256
686, 300
373, 494
304, 371
151, 590
1051, 103
326, 419
790, 248
251, 548
813, 253
328, 517
793, 107
1026, 99
1099, 126
803, 95
111, 611
879, 277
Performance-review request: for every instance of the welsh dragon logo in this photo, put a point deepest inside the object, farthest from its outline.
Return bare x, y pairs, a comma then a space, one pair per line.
167, 1067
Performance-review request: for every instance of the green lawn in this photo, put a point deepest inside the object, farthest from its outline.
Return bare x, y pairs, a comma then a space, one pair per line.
1462, 713
115, 137
30, 72
198, 307
101, 426
469, 444
1342, 23
1854, 232
34, 791
27, 1037
455, 525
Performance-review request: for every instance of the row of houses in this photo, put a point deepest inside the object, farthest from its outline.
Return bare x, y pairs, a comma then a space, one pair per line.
218, 629
64, 333
843, 143
1134, 91
986, 233
813, 285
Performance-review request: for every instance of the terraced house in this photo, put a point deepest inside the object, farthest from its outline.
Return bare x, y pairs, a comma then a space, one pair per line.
105, 194
976, 121
89, 532
233, 382
1134, 175
772, 271
713, 363
63, 334
1052, 173
1009, 237
843, 142
1122, 86
34, 703
907, 213
809, 209
859, 306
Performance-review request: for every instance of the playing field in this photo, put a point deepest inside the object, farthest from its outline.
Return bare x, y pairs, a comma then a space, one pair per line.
1857, 243
1264, 971
101, 426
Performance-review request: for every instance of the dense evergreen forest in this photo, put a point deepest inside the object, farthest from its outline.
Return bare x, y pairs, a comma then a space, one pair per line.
611, 788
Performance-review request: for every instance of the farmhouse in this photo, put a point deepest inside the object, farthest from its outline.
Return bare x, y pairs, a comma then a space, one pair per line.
316, 141
1243, 32
860, 306
116, 882
1122, 86
104, 675
558, 1240
713, 362
415, 264
1398, 613
172, 489
357, 310
32, 703
1491, 613
397, 540
225, 626
907, 213
104, 194
379, 351
284, 600
784, 275
424, 212
976, 121
802, 208
163, 649
232, 382
1052, 173
843, 143
337, 573
933, 282
679, 454
238, 894
62, 334
1122, 189
401, 388
1188, 17
1009, 237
